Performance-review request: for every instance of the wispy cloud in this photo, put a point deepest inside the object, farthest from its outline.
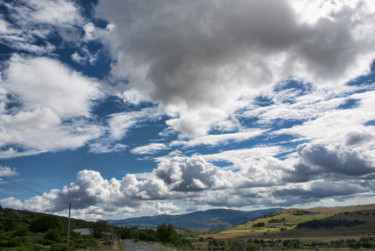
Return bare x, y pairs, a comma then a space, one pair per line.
149, 149
34, 20
214, 140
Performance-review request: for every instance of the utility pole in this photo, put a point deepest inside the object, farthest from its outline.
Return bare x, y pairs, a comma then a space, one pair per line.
70, 208
112, 237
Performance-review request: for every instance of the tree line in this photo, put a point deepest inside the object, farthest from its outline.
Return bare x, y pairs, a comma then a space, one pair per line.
165, 234
329, 223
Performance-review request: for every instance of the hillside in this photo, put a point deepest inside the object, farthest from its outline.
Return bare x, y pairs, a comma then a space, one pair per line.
202, 220
24, 230
340, 221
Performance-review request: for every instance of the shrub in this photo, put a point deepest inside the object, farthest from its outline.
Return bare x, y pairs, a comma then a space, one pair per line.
45, 222
52, 234
59, 247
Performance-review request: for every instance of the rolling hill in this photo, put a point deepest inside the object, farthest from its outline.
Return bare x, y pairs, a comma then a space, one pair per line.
202, 220
317, 222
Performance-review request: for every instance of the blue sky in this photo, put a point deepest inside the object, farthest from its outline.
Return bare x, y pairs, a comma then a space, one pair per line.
127, 108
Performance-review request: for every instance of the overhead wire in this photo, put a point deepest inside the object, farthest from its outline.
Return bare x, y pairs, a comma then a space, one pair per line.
24, 187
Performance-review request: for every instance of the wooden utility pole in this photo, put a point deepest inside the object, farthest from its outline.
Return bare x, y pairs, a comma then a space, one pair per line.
277, 245
70, 208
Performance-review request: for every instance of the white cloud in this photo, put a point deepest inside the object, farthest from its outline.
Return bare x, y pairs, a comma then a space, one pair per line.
260, 181
60, 12
44, 82
5, 27
149, 149
7, 171
37, 19
223, 55
133, 96
102, 146
294, 104
89, 29
333, 126
53, 107
243, 156
214, 140
165, 208
119, 125
84, 56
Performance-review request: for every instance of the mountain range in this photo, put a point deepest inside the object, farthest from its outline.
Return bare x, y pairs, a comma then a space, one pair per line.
201, 220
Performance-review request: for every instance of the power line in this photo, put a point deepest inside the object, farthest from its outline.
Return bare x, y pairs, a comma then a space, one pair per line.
24, 187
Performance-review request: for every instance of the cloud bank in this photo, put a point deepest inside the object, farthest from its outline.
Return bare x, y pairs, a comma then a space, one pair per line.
267, 182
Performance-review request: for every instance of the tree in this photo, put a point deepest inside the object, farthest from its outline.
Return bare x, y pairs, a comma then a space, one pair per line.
167, 234
9, 223
99, 228
52, 234
46, 222
162, 233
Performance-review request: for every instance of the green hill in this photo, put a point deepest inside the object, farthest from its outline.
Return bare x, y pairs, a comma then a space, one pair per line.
347, 222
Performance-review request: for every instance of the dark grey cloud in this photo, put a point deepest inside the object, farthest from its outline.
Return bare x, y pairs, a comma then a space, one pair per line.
321, 161
357, 138
199, 57
320, 189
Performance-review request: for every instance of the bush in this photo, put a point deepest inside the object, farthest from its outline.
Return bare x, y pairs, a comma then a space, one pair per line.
44, 223
260, 224
20, 232
9, 242
59, 247
167, 234
52, 234
292, 243
99, 229
367, 245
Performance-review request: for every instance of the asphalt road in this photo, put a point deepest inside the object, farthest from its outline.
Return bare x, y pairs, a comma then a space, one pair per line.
132, 246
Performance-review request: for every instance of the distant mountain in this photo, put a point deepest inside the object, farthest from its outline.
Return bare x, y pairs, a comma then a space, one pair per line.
202, 220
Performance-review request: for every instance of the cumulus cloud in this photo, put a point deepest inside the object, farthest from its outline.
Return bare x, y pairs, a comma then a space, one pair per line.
266, 181
187, 174
91, 189
202, 59
329, 162
165, 208
359, 137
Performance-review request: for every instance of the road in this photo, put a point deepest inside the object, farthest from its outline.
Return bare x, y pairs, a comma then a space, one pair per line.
132, 246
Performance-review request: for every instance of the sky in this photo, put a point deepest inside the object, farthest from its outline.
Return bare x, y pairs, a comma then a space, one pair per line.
126, 108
